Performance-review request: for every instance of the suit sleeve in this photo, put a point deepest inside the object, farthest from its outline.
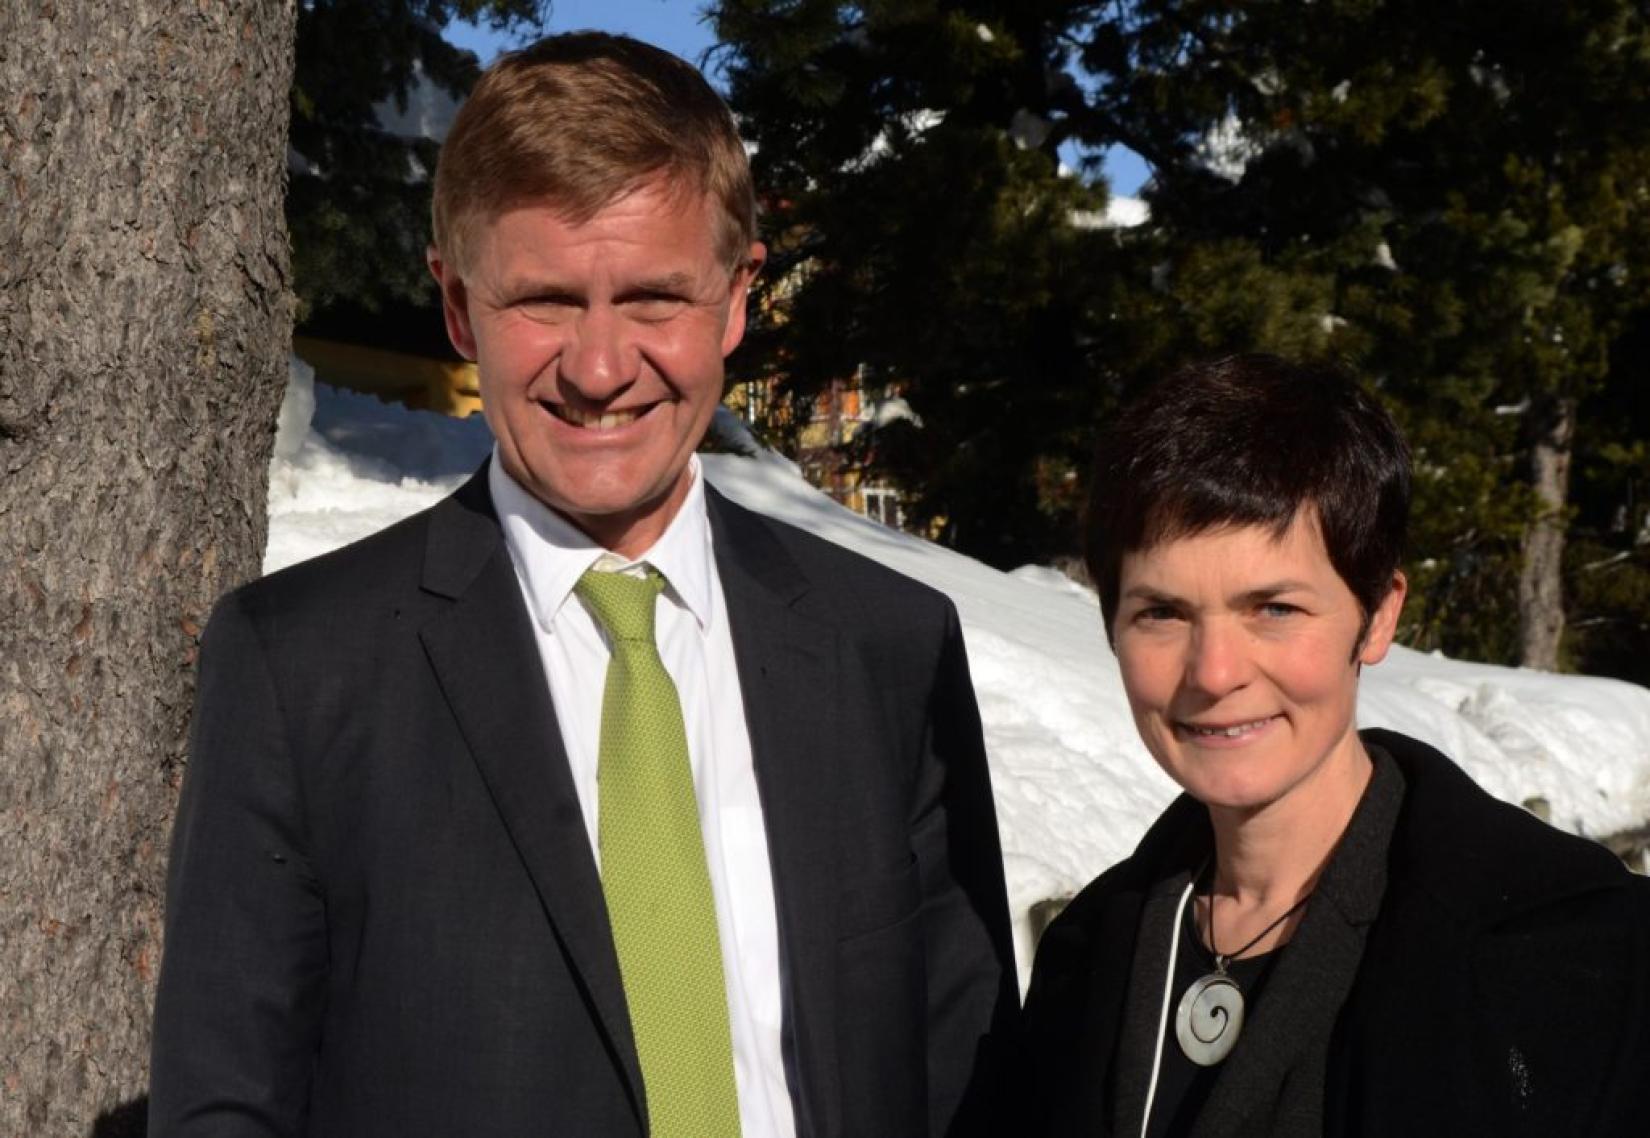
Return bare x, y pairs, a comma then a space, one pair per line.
237, 1017
973, 995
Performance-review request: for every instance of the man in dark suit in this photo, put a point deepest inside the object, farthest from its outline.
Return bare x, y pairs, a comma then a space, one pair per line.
460, 851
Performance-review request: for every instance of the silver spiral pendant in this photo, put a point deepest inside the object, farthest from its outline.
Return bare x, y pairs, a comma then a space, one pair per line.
1209, 1019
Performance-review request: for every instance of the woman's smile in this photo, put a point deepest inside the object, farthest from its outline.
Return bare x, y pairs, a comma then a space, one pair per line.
1239, 649
1236, 734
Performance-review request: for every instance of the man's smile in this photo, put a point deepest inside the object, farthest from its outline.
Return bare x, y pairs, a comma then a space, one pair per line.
605, 420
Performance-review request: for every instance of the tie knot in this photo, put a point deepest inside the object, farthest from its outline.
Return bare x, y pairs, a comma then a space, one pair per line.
622, 604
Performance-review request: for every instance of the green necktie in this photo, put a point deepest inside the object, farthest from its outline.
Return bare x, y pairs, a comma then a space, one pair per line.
654, 874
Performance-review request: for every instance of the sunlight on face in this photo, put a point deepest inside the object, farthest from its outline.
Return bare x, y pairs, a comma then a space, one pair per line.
1237, 654
600, 347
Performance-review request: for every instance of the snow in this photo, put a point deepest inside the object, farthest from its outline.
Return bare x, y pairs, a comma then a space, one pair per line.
1125, 212
428, 112
1028, 129
1121, 212
1225, 151
340, 466
1074, 786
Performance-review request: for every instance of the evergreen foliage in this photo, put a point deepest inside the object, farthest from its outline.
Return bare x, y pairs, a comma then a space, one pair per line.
922, 238
358, 201
1451, 198
1470, 183
1608, 563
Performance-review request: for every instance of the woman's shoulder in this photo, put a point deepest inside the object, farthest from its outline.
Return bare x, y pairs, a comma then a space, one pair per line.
1502, 988
1075, 1004
1177, 840
1095, 933
1489, 861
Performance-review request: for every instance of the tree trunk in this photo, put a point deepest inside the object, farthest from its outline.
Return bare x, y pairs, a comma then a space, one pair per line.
1541, 580
144, 327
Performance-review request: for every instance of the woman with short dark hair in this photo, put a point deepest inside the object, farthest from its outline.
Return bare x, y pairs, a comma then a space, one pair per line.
1331, 931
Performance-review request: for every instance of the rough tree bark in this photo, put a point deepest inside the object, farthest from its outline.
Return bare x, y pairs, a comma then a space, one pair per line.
1541, 580
144, 329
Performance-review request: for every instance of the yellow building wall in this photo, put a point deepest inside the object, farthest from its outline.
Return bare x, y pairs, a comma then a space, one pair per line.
452, 388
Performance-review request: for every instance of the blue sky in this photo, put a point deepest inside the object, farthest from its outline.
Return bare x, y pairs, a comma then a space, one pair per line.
674, 25
680, 26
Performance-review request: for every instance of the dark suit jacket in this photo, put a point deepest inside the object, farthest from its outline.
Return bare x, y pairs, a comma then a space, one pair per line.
1503, 988
383, 917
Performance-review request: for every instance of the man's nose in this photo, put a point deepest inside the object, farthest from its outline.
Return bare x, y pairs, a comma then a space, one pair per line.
598, 358
1217, 658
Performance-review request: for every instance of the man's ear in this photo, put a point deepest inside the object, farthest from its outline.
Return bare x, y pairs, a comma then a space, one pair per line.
455, 305
739, 296
1383, 622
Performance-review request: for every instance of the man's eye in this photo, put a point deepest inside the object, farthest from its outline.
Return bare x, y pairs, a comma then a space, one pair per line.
1277, 609
654, 306
1156, 614
547, 305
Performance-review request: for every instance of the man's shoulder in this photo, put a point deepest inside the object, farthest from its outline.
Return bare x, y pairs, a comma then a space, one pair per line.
344, 589
390, 557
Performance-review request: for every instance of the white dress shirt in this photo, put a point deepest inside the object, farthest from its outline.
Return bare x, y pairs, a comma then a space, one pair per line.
550, 555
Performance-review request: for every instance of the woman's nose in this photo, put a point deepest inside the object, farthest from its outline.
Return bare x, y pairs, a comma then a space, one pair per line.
1217, 658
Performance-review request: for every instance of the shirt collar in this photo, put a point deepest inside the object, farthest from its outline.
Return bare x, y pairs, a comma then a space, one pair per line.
551, 553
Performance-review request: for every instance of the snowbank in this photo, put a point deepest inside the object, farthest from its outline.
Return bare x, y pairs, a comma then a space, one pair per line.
1074, 786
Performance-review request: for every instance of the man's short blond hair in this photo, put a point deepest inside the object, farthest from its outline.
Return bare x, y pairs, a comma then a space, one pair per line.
577, 121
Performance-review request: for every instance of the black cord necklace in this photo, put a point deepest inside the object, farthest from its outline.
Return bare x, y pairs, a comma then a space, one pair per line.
1210, 1016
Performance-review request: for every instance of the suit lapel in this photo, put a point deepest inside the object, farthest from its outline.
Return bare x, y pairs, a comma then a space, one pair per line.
483, 653
1141, 1007
788, 676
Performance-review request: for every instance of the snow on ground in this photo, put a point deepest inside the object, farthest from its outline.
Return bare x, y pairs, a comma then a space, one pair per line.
343, 466
1074, 786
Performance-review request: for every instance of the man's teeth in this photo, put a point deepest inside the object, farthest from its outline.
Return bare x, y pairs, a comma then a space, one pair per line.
605, 420
1230, 732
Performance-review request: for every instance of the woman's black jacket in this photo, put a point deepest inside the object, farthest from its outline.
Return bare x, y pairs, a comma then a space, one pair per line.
1503, 990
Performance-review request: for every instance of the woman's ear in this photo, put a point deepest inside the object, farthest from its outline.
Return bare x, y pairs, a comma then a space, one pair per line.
1383, 622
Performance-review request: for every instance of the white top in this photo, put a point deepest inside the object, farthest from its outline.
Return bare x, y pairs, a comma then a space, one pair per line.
550, 555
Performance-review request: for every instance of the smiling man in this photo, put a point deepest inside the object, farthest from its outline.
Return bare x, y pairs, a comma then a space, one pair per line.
586, 802
600, 347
